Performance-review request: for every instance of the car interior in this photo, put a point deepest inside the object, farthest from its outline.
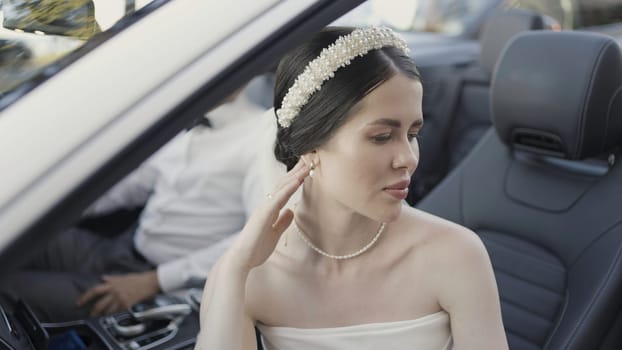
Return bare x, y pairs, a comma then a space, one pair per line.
519, 146
540, 188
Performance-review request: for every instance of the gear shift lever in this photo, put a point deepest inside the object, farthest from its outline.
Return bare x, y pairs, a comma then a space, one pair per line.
160, 307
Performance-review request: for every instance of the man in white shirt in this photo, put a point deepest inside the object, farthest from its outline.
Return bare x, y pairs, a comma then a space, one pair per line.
197, 193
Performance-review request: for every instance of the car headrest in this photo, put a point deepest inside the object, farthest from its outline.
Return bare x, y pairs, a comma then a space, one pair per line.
558, 93
500, 28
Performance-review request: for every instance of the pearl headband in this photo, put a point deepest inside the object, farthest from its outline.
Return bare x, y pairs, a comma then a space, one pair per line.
337, 55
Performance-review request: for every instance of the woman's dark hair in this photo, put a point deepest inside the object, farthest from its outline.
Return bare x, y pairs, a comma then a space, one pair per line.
328, 108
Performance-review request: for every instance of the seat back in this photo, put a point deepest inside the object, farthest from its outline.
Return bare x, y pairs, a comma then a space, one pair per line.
542, 189
460, 115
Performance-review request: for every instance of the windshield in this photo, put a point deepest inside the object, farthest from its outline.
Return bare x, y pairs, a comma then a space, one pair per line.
449, 17
452, 17
465, 18
35, 35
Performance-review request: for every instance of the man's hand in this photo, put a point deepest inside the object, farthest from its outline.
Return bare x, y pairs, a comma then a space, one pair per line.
120, 292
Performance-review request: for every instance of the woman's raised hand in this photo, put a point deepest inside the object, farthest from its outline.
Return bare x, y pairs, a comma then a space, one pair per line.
261, 233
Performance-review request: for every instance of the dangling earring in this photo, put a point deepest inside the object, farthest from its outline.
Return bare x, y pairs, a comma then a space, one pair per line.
312, 171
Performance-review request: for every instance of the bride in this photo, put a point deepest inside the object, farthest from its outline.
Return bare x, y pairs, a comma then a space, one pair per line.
350, 266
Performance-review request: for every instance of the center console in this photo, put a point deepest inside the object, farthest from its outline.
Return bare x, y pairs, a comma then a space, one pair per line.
166, 322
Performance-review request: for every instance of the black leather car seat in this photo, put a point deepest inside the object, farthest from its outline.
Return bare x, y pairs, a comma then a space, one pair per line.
543, 189
459, 115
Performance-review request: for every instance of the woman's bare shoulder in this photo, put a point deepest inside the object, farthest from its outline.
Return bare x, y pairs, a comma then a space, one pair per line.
416, 219
264, 284
447, 240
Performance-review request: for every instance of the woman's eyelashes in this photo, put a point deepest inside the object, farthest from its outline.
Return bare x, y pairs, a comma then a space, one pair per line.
412, 136
386, 137
382, 138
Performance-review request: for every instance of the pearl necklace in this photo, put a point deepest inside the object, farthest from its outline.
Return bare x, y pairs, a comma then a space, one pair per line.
305, 239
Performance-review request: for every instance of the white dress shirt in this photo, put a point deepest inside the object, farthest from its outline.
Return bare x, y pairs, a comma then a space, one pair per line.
199, 191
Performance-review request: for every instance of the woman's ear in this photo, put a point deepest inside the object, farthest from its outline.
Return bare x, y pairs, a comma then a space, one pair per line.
312, 160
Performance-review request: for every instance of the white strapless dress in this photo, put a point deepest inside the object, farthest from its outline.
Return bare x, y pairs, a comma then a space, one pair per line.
431, 332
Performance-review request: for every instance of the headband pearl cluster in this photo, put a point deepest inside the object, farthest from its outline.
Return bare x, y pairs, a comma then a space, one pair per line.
339, 54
